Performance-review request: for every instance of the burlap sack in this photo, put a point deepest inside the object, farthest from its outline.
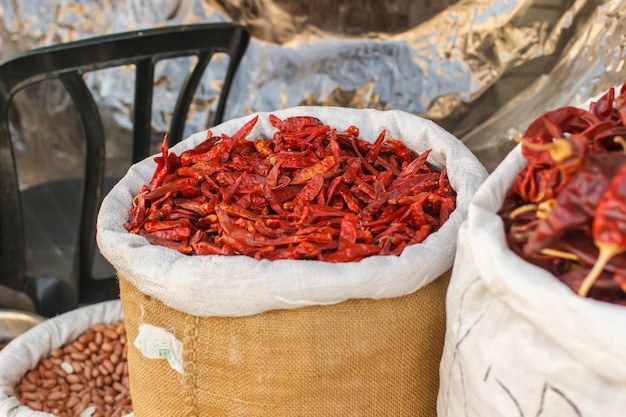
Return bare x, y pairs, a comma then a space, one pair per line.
357, 358
230, 336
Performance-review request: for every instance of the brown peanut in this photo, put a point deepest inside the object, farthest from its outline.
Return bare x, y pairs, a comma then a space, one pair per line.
56, 395
35, 405
27, 387
57, 353
30, 396
49, 374
107, 347
91, 371
77, 367
48, 383
77, 387
86, 337
111, 334
47, 363
32, 377
73, 379
72, 401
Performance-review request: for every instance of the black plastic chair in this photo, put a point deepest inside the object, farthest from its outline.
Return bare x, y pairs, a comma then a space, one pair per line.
44, 207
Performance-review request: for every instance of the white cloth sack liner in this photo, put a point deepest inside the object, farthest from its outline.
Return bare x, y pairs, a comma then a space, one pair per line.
518, 341
240, 285
25, 351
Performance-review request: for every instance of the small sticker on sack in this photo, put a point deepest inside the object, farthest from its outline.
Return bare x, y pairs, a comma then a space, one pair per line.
157, 343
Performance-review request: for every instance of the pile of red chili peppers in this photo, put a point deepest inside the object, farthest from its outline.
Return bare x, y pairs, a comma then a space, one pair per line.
309, 192
566, 211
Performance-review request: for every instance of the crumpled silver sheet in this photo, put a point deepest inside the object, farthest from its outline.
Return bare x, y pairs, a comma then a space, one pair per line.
482, 69
591, 63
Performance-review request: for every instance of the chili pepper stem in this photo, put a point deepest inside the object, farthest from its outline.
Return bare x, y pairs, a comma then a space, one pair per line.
136, 199
607, 251
560, 150
560, 254
542, 209
620, 141
522, 209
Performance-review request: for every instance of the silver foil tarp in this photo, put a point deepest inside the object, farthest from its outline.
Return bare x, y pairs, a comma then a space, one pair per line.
482, 69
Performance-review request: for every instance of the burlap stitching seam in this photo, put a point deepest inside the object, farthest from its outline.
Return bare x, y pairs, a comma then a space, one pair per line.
189, 365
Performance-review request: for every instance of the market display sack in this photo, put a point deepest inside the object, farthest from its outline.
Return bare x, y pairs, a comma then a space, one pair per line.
525, 336
232, 335
23, 354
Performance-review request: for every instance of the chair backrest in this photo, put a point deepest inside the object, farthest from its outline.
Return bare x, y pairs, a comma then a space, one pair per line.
68, 62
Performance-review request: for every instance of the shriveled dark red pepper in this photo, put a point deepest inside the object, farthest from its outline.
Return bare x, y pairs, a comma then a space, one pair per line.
566, 211
608, 228
576, 204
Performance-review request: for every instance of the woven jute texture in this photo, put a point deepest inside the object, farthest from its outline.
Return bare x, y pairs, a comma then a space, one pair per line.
361, 357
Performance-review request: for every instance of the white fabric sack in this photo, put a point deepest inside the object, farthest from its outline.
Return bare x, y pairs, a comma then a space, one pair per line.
240, 285
518, 341
25, 351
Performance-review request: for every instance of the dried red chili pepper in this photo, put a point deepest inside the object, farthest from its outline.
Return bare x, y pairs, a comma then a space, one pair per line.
608, 228
576, 204
566, 211
555, 124
349, 228
309, 192
202, 147
603, 108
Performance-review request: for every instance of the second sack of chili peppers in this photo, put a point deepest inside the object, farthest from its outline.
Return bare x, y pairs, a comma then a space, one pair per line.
536, 316
290, 263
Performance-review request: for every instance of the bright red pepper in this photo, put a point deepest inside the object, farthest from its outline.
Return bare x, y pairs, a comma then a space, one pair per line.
608, 227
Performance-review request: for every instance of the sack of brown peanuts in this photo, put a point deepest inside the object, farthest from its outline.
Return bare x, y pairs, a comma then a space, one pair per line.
289, 337
72, 364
